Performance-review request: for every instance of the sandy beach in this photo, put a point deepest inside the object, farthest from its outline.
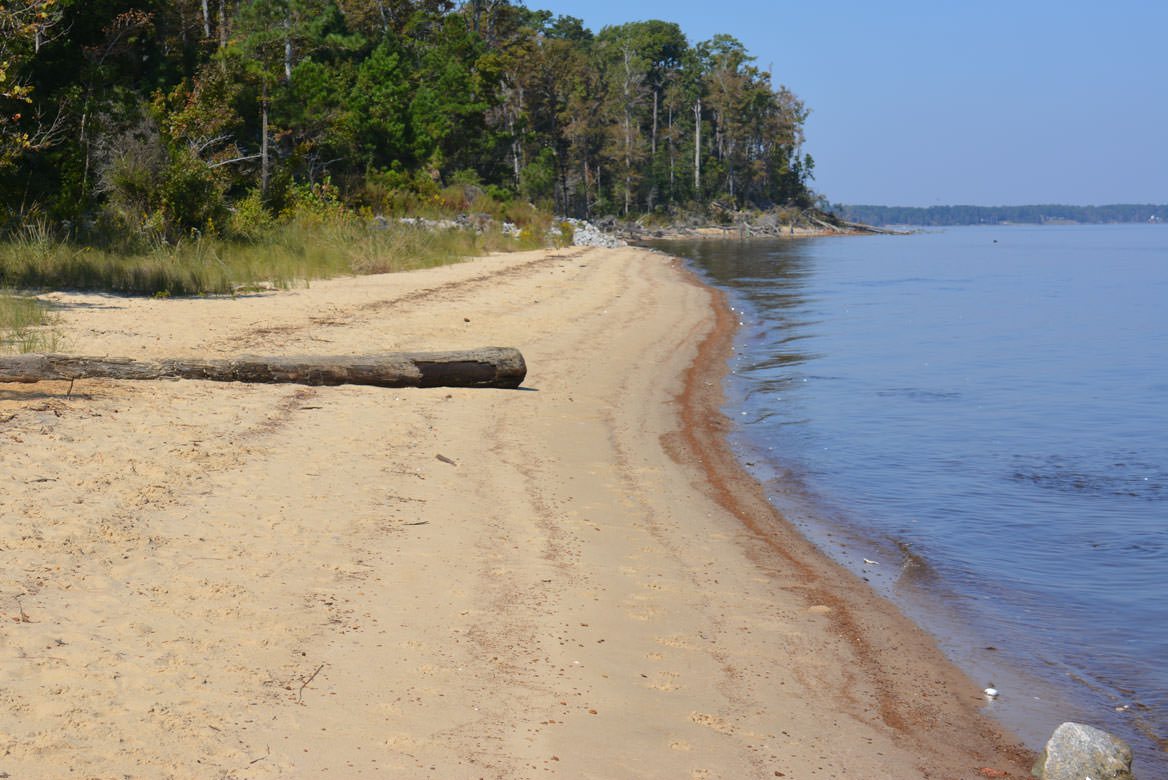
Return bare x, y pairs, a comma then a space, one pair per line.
573, 579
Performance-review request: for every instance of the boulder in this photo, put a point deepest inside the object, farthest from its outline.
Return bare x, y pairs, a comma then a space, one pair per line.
1080, 752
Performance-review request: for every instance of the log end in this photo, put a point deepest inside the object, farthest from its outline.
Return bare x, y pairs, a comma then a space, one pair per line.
502, 367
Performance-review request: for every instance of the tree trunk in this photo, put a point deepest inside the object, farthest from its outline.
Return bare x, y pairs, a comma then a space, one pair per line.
512, 106
206, 20
264, 170
698, 151
84, 141
628, 88
565, 200
587, 190
653, 142
628, 149
287, 48
501, 367
671, 155
223, 24
730, 167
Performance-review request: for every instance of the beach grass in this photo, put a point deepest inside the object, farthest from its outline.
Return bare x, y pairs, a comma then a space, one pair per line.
282, 255
26, 325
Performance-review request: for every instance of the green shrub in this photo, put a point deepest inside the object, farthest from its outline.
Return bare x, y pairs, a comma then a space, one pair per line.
567, 234
250, 218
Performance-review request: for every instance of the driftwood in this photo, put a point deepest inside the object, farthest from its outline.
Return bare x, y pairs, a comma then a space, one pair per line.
873, 229
486, 367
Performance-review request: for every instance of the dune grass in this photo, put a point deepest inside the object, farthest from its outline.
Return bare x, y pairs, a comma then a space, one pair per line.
26, 325
316, 237
287, 254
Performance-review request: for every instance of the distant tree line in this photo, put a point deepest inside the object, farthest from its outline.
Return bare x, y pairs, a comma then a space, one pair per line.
144, 111
1000, 215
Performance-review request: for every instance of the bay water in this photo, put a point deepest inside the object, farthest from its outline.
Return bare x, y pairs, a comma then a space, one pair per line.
976, 422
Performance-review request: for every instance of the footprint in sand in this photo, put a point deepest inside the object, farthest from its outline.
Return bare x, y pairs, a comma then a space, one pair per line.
676, 641
719, 725
644, 612
665, 681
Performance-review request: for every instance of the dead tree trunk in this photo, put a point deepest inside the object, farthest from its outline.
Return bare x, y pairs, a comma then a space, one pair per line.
264, 169
698, 151
487, 367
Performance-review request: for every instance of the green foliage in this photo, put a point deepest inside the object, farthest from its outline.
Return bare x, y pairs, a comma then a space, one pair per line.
450, 100
539, 177
395, 192
154, 190
145, 124
567, 234
315, 236
378, 107
190, 195
315, 204
251, 220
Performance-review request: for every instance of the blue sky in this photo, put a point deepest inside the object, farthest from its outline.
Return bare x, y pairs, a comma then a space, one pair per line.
944, 102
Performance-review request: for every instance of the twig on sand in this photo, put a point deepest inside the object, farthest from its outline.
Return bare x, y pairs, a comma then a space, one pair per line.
300, 693
265, 755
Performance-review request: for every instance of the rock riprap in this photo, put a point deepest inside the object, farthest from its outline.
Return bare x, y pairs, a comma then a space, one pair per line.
587, 234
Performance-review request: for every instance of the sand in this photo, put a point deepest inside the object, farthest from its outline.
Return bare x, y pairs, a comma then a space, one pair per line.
573, 579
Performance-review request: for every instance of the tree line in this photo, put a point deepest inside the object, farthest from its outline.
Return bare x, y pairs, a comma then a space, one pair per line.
940, 216
169, 114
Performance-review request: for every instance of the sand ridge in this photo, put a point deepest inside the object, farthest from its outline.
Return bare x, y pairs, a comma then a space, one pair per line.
245, 581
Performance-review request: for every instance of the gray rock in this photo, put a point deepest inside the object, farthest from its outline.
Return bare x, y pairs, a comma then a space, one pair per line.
587, 234
1079, 752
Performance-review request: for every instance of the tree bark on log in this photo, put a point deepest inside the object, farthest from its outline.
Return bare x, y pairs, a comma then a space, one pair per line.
501, 367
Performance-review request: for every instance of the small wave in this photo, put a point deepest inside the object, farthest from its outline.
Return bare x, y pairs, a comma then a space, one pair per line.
1118, 478
917, 394
890, 282
915, 570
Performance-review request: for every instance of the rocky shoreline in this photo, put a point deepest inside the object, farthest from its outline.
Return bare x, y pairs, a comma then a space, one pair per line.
611, 233
779, 223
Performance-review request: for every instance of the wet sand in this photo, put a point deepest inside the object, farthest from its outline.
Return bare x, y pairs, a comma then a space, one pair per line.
574, 579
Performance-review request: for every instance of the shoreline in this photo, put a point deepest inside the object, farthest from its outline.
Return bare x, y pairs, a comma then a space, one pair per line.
979, 614
877, 630
574, 579
646, 237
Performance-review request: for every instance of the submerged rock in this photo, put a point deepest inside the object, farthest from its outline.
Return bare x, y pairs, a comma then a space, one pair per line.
1079, 752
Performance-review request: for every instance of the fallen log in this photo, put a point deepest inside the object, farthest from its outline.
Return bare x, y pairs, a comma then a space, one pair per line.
486, 367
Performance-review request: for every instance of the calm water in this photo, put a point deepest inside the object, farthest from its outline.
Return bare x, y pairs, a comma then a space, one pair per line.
983, 412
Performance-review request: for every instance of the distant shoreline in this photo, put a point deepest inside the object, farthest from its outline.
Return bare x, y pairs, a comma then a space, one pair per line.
732, 232
1037, 214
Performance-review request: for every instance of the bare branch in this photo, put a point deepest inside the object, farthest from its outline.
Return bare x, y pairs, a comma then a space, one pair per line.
234, 160
47, 135
198, 147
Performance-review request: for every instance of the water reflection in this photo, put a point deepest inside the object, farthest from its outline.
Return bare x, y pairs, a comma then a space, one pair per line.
770, 277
